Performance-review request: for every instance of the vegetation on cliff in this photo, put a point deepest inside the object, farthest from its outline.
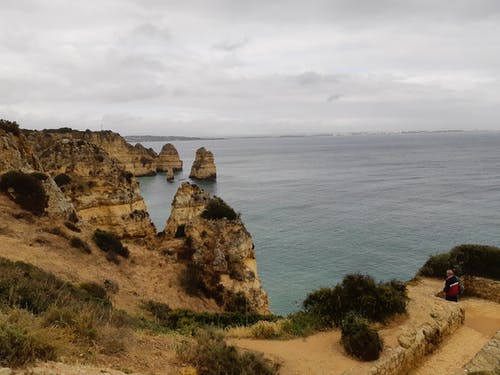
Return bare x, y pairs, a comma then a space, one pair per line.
26, 190
469, 259
217, 209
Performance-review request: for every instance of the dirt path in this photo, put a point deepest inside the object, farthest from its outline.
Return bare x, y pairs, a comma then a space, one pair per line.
482, 320
322, 354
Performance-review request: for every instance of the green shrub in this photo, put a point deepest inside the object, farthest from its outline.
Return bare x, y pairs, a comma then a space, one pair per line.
80, 244
210, 355
237, 302
19, 347
473, 260
218, 209
358, 293
359, 340
28, 191
28, 287
301, 324
62, 179
180, 319
72, 227
181, 231
10, 127
39, 176
110, 243
96, 292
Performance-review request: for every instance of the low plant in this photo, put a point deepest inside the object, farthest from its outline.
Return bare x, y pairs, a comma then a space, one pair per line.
472, 260
62, 179
19, 346
71, 226
358, 293
26, 190
78, 243
10, 127
110, 243
359, 340
210, 355
216, 209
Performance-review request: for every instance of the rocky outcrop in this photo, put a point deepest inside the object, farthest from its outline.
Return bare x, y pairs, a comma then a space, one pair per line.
220, 247
487, 361
16, 154
102, 192
168, 159
482, 287
203, 166
137, 159
170, 175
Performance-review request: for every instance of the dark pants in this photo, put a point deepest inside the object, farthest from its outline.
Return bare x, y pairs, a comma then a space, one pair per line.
450, 298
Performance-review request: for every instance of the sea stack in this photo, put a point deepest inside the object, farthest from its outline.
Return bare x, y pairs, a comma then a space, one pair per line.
203, 166
219, 247
170, 175
168, 159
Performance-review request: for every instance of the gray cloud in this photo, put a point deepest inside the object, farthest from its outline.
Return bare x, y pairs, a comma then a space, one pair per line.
230, 67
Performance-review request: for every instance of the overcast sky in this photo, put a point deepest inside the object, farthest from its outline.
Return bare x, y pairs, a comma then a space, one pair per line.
250, 67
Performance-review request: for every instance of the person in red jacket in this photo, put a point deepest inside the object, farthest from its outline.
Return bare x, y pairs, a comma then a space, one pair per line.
451, 286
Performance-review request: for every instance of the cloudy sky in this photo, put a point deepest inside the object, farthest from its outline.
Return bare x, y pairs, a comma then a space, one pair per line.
241, 67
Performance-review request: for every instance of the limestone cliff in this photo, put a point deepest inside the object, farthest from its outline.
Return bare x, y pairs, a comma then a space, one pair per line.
136, 159
17, 155
220, 247
203, 166
102, 192
168, 159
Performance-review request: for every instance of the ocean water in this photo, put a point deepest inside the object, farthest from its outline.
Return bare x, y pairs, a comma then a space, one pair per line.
321, 207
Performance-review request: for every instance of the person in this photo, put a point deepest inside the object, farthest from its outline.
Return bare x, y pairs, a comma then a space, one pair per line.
451, 286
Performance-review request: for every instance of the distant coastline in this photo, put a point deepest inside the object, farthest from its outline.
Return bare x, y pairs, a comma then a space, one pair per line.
161, 138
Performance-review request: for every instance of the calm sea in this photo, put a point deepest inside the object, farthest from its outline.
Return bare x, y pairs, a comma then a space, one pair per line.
321, 207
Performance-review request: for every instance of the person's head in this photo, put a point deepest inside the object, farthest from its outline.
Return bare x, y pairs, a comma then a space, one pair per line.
449, 273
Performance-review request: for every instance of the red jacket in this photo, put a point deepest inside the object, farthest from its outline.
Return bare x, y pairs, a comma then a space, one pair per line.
452, 286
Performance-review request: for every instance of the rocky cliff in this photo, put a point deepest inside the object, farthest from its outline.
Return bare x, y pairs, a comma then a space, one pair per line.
17, 155
219, 246
168, 159
102, 192
203, 166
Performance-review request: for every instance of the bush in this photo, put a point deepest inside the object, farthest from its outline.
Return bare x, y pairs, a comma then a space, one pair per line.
19, 347
72, 227
198, 281
28, 191
10, 127
39, 176
301, 324
210, 355
79, 244
359, 340
472, 260
110, 243
181, 231
180, 319
237, 302
62, 179
96, 292
28, 287
218, 209
358, 293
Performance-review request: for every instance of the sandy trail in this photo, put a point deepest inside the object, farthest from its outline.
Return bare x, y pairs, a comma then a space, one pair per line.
322, 354
482, 320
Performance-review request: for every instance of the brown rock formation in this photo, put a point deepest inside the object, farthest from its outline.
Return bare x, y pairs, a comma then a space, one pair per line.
168, 159
203, 166
16, 154
221, 248
102, 192
170, 175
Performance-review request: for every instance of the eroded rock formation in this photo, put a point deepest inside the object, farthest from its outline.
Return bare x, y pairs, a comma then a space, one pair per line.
102, 192
168, 158
203, 166
220, 247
